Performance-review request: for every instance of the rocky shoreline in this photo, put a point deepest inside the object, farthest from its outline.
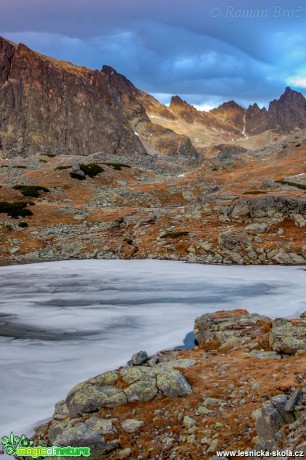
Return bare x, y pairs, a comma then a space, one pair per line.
242, 386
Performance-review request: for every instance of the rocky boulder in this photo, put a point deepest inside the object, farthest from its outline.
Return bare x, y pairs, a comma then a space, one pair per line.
287, 337
90, 433
137, 384
76, 420
227, 328
233, 241
276, 414
139, 358
131, 425
269, 206
270, 419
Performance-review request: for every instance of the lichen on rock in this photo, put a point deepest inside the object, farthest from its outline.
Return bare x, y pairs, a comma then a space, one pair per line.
288, 338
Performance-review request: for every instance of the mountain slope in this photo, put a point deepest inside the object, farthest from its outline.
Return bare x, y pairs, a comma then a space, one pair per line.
158, 140
54, 106
47, 105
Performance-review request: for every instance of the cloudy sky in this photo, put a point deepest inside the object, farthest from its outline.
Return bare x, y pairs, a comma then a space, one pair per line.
206, 51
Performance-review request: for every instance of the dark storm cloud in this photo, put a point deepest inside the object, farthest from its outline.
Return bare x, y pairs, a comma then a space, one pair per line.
202, 50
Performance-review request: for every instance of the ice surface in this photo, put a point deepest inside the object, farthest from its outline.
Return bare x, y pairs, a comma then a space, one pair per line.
63, 322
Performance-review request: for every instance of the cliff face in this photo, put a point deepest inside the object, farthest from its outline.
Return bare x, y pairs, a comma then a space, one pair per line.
53, 106
286, 113
256, 120
289, 111
6, 54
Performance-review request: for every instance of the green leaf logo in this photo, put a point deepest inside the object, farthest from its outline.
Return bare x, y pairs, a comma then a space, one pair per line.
11, 443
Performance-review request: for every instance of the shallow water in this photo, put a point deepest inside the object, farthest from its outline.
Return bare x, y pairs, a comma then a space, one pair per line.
62, 322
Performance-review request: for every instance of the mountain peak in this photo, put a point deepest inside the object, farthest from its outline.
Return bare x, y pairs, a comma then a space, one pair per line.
177, 101
285, 113
230, 105
108, 70
255, 108
289, 93
5, 41
118, 80
289, 97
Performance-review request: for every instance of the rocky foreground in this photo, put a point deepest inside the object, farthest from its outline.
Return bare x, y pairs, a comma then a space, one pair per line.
243, 386
236, 207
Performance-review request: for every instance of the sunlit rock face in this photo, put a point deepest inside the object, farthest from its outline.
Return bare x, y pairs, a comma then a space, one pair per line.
47, 105
53, 106
50, 105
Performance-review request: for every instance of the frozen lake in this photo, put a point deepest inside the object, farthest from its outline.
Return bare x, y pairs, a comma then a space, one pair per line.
62, 322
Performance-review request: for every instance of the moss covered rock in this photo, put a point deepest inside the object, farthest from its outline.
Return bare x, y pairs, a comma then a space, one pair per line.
139, 384
134, 374
143, 390
286, 337
90, 398
85, 434
172, 383
107, 378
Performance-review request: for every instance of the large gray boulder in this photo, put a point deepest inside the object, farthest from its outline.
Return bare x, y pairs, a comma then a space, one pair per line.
89, 433
90, 398
172, 383
143, 390
270, 419
227, 327
233, 241
268, 206
274, 415
285, 337
141, 384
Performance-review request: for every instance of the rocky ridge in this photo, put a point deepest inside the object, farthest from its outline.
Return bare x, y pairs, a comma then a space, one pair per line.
288, 112
49, 105
242, 387
230, 122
